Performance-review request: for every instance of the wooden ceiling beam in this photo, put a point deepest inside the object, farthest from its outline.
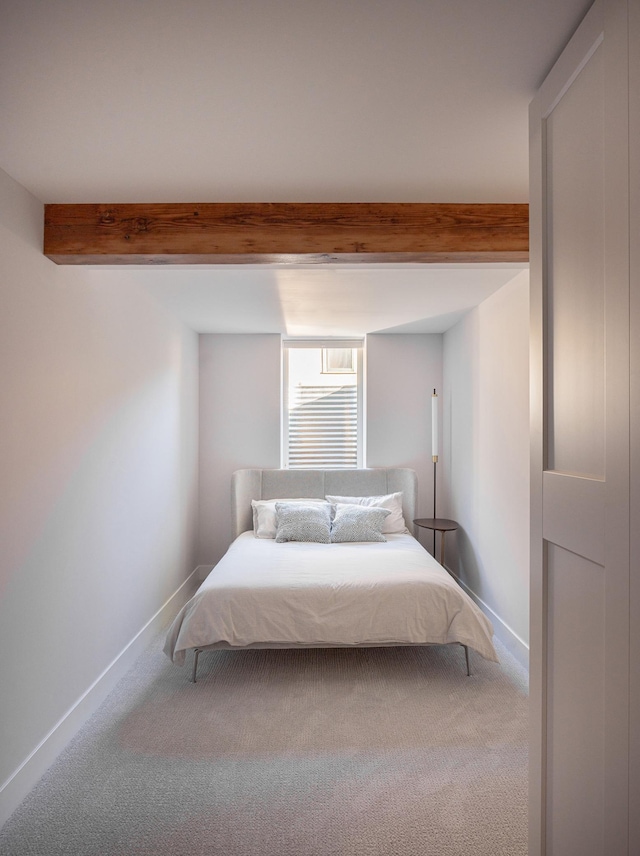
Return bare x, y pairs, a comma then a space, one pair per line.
285, 233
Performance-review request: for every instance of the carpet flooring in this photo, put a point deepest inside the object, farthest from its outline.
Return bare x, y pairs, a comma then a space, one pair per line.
342, 752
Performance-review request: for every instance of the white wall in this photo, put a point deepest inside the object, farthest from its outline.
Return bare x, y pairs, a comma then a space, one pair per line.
98, 467
240, 395
402, 372
240, 409
486, 452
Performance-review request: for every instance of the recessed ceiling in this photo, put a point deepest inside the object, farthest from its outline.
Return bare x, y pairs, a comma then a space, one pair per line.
318, 301
281, 101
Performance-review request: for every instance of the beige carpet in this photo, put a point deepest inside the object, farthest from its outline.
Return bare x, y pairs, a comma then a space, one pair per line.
370, 752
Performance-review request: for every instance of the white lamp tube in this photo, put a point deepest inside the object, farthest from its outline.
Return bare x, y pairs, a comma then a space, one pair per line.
434, 426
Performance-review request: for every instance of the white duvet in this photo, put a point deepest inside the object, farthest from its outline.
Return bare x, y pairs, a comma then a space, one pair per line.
264, 594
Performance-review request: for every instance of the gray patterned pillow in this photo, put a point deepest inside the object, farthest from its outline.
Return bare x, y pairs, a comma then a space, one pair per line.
358, 523
299, 522
393, 501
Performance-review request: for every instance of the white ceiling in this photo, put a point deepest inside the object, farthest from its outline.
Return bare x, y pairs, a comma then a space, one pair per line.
321, 301
281, 100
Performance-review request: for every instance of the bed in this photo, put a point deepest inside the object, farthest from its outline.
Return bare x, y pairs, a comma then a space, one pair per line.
268, 593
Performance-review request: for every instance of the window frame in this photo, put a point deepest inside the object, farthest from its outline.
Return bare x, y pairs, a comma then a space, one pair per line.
358, 345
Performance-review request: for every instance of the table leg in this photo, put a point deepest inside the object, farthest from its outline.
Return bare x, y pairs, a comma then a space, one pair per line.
442, 534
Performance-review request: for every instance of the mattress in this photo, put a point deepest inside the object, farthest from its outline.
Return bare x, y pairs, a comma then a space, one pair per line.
265, 594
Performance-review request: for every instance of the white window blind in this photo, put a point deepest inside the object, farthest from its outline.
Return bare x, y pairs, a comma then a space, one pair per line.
322, 408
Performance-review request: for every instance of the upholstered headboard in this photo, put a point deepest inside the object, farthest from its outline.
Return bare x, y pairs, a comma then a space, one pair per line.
275, 484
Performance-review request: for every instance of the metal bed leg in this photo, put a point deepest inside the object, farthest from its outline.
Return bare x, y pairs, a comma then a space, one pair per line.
196, 654
466, 656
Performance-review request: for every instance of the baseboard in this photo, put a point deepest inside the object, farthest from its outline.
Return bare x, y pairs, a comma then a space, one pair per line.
22, 780
509, 638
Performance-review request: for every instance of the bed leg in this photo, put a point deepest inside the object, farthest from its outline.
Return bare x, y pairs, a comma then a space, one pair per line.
196, 654
466, 656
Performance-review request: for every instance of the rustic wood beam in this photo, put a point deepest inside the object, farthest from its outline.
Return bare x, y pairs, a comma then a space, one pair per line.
285, 233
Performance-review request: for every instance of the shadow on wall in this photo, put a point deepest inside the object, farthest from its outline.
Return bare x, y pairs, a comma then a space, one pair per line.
464, 562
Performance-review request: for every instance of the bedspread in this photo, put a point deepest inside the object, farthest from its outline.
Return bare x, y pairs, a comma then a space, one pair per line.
265, 594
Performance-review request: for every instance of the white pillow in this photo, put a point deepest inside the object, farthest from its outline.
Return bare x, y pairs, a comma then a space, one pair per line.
358, 523
394, 524
299, 521
264, 515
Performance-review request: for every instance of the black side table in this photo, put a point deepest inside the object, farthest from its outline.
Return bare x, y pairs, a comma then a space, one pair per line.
438, 524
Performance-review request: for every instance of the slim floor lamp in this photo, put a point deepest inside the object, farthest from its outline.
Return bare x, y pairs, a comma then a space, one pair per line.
434, 453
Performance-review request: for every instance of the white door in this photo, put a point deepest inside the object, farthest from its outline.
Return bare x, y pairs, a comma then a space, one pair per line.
581, 445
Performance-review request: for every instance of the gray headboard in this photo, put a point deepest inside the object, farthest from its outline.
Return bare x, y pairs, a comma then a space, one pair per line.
276, 484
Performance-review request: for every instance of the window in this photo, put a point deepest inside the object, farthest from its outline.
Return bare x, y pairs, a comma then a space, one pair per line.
339, 360
322, 412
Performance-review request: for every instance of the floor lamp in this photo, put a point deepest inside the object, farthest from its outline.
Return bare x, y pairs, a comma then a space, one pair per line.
434, 454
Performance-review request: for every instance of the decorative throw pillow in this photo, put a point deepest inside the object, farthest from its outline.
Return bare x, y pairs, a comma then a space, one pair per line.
358, 523
264, 514
300, 522
394, 524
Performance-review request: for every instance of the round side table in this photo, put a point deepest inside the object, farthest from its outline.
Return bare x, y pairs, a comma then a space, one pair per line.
438, 524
